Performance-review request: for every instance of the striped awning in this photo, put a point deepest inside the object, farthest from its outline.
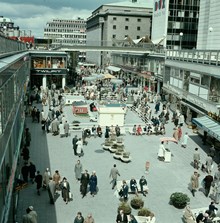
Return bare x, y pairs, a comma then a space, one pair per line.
207, 124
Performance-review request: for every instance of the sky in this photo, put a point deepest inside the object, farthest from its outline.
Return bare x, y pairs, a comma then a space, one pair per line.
34, 14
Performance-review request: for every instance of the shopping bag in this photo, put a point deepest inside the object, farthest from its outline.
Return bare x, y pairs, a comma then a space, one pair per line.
70, 196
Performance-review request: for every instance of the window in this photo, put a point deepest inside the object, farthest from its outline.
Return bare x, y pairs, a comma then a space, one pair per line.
114, 18
139, 20
138, 28
126, 27
114, 26
138, 37
113, 36
127, 19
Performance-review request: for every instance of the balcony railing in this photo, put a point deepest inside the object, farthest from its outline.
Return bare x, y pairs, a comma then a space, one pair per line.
8, 46
209, 57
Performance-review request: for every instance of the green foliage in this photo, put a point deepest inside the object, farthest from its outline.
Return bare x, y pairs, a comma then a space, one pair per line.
125, 207
137, 202
144, 212
179, 199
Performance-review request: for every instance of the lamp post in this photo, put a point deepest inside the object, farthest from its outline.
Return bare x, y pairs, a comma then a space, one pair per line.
181, 38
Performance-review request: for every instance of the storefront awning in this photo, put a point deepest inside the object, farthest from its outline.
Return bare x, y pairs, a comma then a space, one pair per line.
208, 125
113, 68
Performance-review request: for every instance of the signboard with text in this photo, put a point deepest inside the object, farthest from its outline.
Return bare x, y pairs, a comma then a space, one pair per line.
48, 71
160, 20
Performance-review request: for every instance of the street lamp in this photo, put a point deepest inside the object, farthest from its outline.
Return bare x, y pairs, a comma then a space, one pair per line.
181, 38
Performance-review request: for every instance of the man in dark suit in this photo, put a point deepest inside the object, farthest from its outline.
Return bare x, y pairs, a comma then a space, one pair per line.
84, 183
121, 217
74, 141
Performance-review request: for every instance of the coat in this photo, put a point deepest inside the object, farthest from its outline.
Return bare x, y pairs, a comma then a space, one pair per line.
27, 218
79, 147
39, 181
194, 181
66, 128
93, 184
55, 125
65, 187
51, 190
46, 178
32, 171
78, 170
33, 215
113, 173
84, 183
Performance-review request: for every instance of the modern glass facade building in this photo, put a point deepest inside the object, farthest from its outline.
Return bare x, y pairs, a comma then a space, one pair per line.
177, 22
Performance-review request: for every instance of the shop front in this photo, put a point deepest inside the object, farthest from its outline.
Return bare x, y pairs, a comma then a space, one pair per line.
48, 68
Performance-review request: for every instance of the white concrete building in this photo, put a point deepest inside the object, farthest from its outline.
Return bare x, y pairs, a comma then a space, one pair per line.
209, 26
117, 21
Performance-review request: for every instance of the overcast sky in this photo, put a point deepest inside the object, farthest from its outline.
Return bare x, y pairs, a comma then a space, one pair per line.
34, 14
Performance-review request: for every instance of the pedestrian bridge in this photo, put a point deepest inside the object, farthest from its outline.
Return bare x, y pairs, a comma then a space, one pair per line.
145, 48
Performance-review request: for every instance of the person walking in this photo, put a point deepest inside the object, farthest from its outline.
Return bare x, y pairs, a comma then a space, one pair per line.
57, 180
27, 137
209, 163
79, 218
66, 128
143, 185
79, 149
25, 172
121, 217
124, 190
78, 170
93, 184
65, 187
46, 178
27, 218
84, 183
74, 141
51, 190
207, 183
196, 158
89, 219
32, 171
114, 173
33, 214
185, 140
39, 181
194, 182
133, 186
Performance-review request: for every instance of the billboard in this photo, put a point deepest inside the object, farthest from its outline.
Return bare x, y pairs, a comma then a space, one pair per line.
160, 21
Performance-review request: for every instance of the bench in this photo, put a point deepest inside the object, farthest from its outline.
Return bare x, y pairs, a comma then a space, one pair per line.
197, 211
142, 219
119, 185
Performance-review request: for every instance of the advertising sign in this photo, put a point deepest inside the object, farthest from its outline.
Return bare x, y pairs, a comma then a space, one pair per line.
160, 20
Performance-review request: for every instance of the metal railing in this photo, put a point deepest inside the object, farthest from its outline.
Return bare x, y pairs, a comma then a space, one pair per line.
10, 47
209, 57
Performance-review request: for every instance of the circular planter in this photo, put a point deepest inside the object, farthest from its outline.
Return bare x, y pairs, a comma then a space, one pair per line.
106, 147
117, 156
137, 203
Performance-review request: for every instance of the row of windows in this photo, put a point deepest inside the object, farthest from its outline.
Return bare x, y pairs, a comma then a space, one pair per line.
69, 21
67, 26
64, 36
127, 19
70, 41
114, 36
126, 27
65, 30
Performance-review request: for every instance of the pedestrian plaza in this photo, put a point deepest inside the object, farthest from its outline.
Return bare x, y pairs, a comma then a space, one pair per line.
164, 178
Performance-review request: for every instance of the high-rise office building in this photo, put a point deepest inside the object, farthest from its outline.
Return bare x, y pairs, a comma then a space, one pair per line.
176, 21
209, 28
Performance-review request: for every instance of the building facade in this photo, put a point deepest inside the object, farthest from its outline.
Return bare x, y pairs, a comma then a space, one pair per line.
48, 68
14, 73
209, 28
67, 32
176, 21
117, 21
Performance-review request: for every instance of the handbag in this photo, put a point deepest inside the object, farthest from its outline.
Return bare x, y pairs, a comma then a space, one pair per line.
120, 193
70, 195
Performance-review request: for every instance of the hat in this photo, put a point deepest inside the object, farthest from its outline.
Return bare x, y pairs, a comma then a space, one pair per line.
31, 208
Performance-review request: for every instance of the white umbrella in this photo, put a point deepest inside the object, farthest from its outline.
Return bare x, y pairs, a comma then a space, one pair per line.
116, 81
89, 78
